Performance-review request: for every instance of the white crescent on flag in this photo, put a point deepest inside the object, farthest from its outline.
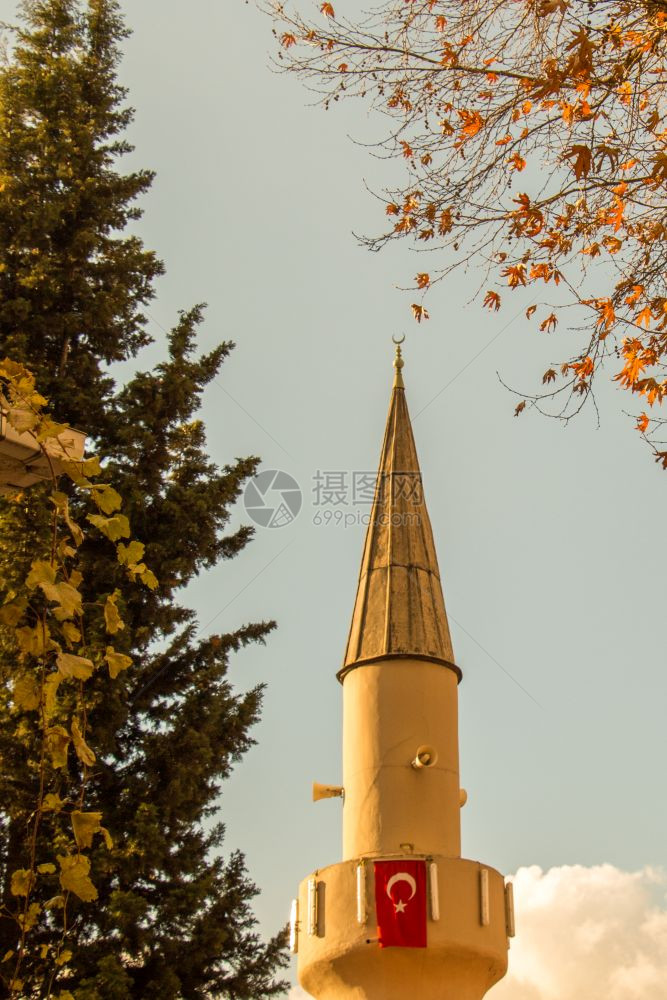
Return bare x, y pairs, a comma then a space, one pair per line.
401, 877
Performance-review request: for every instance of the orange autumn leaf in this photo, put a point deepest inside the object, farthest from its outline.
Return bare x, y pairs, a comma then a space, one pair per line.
530, 310
503, 142
515, 274
445, 224
423, 280
492, 300
634, 295
583, 369
440, 23
472, 122
419, 312
549, 376
287, 40
327, 10
392, 209
582, 156
407, 150
642, 423
549, 324
520, 408
517, 162
644, 317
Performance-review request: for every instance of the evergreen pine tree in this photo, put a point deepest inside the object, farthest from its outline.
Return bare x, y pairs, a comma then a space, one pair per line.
173, 919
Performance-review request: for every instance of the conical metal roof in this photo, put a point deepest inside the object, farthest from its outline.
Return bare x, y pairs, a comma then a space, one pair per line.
400, 609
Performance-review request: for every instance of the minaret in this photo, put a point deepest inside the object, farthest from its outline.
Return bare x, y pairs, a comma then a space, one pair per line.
401, 792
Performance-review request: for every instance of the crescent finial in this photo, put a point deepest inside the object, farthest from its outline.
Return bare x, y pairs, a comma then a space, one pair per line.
398, 361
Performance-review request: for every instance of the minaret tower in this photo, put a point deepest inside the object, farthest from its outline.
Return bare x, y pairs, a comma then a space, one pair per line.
401, 791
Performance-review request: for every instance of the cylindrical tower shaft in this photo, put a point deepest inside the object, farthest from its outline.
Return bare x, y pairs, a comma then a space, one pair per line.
392, 710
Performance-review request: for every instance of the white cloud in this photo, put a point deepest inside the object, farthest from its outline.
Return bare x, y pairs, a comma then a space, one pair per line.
585, 934
595, 933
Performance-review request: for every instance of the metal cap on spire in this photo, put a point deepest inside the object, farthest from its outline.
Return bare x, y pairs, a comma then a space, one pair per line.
400, 609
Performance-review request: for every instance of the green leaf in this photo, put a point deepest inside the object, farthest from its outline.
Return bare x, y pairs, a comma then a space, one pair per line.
83, 751
74, 877
79, 667
116, 661
113, 527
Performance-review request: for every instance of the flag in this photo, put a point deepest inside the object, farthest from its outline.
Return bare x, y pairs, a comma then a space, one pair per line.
400, 903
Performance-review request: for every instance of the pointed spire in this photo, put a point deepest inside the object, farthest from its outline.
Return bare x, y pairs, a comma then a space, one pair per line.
399, 610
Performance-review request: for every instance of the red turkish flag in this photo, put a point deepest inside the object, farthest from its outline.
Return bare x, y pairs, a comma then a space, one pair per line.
400, 903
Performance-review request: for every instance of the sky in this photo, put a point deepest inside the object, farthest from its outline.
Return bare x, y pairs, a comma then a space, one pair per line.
550, 539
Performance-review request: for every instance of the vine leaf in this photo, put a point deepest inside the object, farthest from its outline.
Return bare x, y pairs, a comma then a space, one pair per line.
83, 751
22, 882
57, 744
79, 667
116, 662
112, 619
75, 877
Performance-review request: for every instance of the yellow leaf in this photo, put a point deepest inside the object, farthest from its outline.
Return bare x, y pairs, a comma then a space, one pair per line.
61, 502
149, 578
116, 661
22, 882
12, 611
22, 420
74, 877
71, 633
63, 958
52, 803
130, 555
46, 869
8, 954
85, 826
26, 693
57, 744
66, 596
28, 920
83, 751
107, 499
40, 572
112, 619
33, 641
51, 685
79, 667
55, 903
113, 527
